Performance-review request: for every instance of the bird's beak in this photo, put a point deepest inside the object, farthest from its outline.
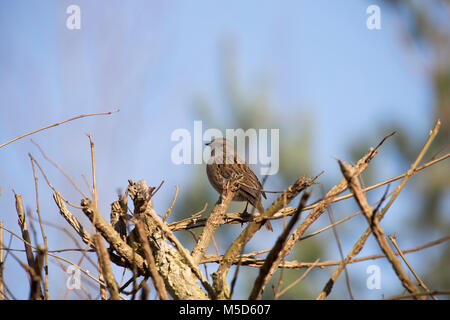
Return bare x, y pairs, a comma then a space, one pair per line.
207, 144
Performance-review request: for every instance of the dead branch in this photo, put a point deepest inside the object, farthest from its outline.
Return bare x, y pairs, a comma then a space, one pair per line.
111, 235
376, 228
57, 124
105, 265
24, 229
70, 218
213, 222
237, 218
399, 251
419, 294
361, 241
174, 265
267, 269
171, 206
360, 166
35, 287
157, 279
219, 277
44, 237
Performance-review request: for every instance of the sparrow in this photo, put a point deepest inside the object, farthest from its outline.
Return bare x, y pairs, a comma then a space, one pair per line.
225, 164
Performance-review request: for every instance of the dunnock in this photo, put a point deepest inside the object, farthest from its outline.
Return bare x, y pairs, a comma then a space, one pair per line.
224, 164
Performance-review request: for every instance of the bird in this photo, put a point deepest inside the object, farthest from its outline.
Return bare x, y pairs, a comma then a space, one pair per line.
225, 164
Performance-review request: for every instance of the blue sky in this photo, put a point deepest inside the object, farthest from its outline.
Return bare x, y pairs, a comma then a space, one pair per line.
151, 59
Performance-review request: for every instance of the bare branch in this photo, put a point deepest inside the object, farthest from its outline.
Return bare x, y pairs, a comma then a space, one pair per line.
213, 222
399, 251
24, 229
361, 241
171, 206
57, 124
267, 270
105, 264
157, 279
376, 228
219, 277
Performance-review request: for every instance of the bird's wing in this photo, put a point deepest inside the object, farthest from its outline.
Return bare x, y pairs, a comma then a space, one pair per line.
251, 183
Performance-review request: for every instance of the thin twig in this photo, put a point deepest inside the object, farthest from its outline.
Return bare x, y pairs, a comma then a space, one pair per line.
60, 169
237, 218
415, 295
94, 179
375, 226
360, 166
362, 240
338, 242
303, 276
267, 269
171, 206
421, 283
219, 277
57, 124
49, 183
250, 260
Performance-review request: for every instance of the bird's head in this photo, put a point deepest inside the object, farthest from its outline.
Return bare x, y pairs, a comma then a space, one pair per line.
221, 145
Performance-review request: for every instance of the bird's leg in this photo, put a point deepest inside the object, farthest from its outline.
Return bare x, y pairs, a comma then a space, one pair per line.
245, 214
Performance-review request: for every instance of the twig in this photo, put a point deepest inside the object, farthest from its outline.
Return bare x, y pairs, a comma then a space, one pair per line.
171, 206
237, 218
60, 169
49, 183
360, 166
24, 229
421, 283
267, 269
112, 236
157, 189
338, 242
87, 185
219, 277
94, 179
361, 241
236, 273
415, 295
250, 260
376, 228
303, 276
70, 218
213, 222
377, 185
57, 124
105, 264
55, 256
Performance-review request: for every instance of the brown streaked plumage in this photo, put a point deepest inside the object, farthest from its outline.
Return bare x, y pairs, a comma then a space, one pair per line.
224, 164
